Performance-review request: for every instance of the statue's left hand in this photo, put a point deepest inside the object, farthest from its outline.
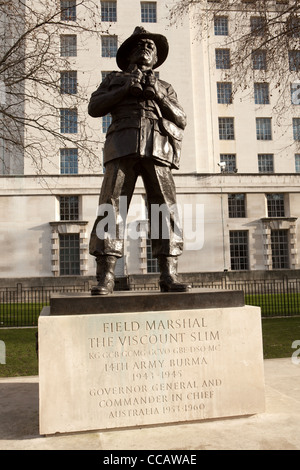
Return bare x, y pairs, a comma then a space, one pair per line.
154, 83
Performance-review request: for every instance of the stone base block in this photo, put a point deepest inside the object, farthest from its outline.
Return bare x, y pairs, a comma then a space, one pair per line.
120, 370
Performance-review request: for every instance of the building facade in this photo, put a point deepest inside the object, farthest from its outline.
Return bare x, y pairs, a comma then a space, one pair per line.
238, 184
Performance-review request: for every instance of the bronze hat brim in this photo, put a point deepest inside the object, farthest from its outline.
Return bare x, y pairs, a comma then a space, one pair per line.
124, 50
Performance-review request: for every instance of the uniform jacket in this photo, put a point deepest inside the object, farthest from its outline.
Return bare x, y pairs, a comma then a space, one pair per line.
135, 129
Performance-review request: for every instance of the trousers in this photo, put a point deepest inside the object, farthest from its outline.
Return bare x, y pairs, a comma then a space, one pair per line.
107, 236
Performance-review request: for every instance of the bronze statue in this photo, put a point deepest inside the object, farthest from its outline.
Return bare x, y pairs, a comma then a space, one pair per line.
144, 138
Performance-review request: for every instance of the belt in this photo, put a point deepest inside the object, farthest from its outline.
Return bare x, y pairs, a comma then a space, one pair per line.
138, 114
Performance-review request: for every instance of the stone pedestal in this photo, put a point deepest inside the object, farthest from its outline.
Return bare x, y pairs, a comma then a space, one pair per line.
172, 358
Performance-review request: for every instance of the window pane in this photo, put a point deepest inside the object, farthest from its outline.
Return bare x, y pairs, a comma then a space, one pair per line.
68, 82
294, 61
230, 160
275, 205
258, 26
295, 93
261, 93
152, 264
293, 27
226, 128
148, 12
224, 93
68, 161
69, 208
239, 250
259, 60
68, 45
266, 163
108, 11
69, 254
68, 10
222, 58
280, 249
236, 205
297, 162
221, 25
263, 129
109, 46
296, 128
68, 121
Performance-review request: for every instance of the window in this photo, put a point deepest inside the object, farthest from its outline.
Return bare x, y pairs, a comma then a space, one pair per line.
68, 121
226, 128
280, 249
258, 26
294, 61
148, 12
106, 122
222, 58
69, 161
230, 160
297, 162
69, 254
295, 93
68, 82
263, 129
293, 27
275, 205
68, 10
261, 93
69, 207
266, 163
221, 25
224, 93
239, 250
259, 60
68, 45
109, 46
236, 205
296, 128
109, 11
152, 263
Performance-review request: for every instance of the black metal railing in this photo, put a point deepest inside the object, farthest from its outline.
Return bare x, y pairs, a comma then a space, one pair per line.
22, 306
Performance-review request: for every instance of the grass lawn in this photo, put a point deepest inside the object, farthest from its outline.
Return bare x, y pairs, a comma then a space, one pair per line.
20, 314
278, 336
275, 304
21, 358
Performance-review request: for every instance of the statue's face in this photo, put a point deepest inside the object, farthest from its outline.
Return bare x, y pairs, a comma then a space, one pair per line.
144, 53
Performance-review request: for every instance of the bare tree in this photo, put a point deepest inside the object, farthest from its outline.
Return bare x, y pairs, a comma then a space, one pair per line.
33, 64
263, 40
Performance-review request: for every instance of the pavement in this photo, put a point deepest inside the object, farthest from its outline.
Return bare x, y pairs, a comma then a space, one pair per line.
278, 428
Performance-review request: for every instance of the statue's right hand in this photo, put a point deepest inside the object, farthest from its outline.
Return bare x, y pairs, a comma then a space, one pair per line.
132, 79
133, 76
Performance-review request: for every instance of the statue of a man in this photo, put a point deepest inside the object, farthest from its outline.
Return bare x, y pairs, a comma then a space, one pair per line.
138, 144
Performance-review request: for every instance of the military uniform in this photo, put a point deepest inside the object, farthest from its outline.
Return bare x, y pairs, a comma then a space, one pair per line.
139, 142
135, 145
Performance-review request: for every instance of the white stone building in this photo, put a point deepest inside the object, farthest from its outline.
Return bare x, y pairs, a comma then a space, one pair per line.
242, 216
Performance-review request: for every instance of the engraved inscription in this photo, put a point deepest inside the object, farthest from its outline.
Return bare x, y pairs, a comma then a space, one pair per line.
163, 362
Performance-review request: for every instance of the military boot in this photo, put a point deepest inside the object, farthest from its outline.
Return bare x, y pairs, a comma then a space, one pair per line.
168, 275
105, 275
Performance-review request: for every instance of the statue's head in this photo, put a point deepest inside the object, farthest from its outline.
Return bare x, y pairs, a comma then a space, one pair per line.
143, 48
